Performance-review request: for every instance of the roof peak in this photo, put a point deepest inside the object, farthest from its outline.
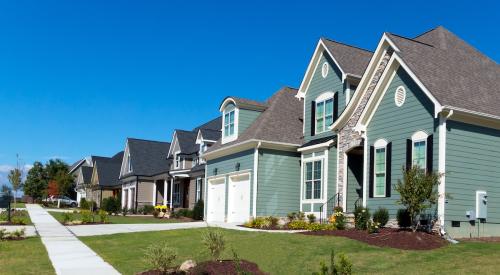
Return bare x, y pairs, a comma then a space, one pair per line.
345, 44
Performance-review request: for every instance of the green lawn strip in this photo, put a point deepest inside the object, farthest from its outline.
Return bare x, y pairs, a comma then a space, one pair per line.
18, 205
119, 219
15, 215
24, 257
299, 254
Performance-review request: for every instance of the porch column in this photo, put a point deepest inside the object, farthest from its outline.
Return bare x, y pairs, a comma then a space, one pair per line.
154, 193
171, 192
123, 197
165, 189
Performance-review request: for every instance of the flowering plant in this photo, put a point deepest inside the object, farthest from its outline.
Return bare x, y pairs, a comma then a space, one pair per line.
161, 208
373, 227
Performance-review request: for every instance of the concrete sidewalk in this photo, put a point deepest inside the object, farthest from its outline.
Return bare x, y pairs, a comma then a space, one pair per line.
107, 229
68, 254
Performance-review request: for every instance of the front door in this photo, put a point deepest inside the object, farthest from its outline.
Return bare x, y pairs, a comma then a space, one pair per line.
185, 200
239, 198
354, 178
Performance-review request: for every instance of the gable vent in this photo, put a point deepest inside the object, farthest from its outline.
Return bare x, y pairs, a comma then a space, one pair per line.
400, 96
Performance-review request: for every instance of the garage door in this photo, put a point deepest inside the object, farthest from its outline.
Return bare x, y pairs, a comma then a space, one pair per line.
239, 198
216, 200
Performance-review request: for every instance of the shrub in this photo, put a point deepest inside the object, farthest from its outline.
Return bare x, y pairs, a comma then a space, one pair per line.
338, 220
3, 233
86, 216
146, 209
103, 216
156, 213
344, 267
160, 256
259, 222
84, 204
198, 210
214, 241
381, 216
124, 211
19, 233
311, 218
361, 217
291, 216
338, 208
111, 205
273, 221
67, 217
298, 224
301, 216
373, 227
320, 227
183, 213
403, 218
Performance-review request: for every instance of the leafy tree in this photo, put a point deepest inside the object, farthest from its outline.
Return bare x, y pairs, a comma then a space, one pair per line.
64, 182
36, 182
15, 181
418, 192
53, 166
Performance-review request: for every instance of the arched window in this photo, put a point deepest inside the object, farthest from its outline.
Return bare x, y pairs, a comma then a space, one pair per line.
419, 149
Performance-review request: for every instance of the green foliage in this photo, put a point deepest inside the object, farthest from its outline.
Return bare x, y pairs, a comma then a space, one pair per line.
403, 218
338, 220
301, 216
183, 213
147, 209
160, 256
112, 205
86, 216
3, 234
361, 218
344, 267
19, 233
311, 218
338, 208
373, 227
298, 225
124, 211
319, 227
214, 241
103, 216
381, 216
198, 210
237, 265
84, 204
418, 191
18, 217
291, 216
15, 181
273, 221
36, 182
64, 181
67, 217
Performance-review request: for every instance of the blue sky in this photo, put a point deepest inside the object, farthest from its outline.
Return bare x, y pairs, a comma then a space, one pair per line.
78, 77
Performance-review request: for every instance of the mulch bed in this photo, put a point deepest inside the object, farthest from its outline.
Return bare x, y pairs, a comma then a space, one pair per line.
215, 268
389, 237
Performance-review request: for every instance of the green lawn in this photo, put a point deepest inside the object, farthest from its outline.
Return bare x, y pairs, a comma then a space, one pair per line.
18, 205
24, 257
16, 215
120, 219
300, 254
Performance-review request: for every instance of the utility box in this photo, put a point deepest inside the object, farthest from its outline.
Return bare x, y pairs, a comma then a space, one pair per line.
481, 205
471, 215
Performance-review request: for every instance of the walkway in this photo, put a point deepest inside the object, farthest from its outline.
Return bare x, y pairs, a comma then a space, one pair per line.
67, 253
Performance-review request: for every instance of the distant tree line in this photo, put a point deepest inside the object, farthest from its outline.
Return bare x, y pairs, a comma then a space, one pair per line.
53, 178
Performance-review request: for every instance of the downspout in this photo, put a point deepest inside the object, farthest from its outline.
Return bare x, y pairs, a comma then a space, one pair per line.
255, 177
136, 191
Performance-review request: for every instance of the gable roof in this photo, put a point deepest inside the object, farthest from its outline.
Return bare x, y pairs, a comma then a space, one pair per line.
454, 72
214, 124
148, 157
209, 134
87, 174
187, 141
108, 170
352, 60
281, 122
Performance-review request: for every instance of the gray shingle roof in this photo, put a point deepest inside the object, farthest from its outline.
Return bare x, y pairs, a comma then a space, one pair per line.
214, 124
351, 59
280, 122
454, 72
187, 141
211, 134
148, 157
248, 104
87, 174
108, 171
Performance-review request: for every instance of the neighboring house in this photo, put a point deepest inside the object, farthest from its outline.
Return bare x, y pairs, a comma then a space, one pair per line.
104, 182
187, 168
144, 173
82, 173
254, 169
430, 101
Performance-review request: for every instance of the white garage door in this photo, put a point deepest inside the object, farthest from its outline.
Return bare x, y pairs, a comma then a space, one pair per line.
239, 198
216, 200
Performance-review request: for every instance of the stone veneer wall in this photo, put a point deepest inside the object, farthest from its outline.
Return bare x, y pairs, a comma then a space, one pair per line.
347, 137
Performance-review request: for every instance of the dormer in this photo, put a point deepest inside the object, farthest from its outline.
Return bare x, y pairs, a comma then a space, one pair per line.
237, 115
205, 138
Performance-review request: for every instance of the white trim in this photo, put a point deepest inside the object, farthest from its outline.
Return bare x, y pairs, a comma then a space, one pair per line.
316, 146
326, 175
337, 172
171, 193
379, 144
225, 139
154, 193
402, 91
323, 98
365, 168
172, 146
347, 92
379, 99
324, 162
255, 179
165, 191
344, 181
324, 69
442, 167
301, 180
249, 144
228, 174
225, 102
419, 136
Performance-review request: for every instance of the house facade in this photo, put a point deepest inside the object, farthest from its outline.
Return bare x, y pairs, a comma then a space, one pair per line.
254, 169
104, 181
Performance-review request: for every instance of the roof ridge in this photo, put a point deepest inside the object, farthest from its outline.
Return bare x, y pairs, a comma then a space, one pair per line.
148, 140
345, 44
413, 40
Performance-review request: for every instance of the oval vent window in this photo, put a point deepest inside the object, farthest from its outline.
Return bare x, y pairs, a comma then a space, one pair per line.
400, 96
324, 70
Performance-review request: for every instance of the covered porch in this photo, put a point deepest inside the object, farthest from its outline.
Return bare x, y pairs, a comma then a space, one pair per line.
172, 191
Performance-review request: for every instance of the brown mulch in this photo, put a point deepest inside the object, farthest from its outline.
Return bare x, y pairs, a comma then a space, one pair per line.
214, 268
389, 237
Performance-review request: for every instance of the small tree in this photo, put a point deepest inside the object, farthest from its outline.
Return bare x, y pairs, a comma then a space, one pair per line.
36, 182
15, 181
418, 192
214, 241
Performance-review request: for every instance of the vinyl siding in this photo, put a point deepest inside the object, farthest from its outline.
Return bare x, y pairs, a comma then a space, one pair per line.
226, 165
396, 125
472, 154
319, 85
278, 183
145, 193
245, 119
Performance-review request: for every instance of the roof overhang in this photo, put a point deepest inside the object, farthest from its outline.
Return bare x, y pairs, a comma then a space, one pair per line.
249, 144
322, 145
471, 117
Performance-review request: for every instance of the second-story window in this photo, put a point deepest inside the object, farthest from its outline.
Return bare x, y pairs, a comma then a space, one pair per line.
229, 123
177, 161
324, 115
129, 164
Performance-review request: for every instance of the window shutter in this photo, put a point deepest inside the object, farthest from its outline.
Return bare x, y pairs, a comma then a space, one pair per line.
430, 145
409, 144
335, 106
372, 167
388, 165
313, 117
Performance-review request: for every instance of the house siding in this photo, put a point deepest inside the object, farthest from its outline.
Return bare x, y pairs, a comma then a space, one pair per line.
472, 164
278, 183
396, 125
145, 193
225, 165
245, 119
319, 85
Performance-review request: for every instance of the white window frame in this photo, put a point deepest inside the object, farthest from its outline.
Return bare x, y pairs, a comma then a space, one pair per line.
198, 192
323, 98
379, 144
129, 163
177, 160
322, 179
234, 136
415, 138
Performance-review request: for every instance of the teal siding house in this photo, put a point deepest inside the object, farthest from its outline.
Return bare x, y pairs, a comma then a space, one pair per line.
254, 169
